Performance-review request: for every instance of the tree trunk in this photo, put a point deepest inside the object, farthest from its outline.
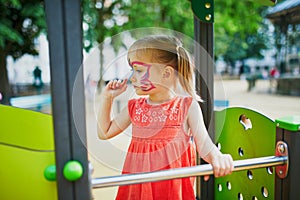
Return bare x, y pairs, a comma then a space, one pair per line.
100, 39
101, 81
5, 89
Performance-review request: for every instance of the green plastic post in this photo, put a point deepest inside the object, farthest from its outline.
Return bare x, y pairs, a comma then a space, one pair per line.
290, 123
73, 170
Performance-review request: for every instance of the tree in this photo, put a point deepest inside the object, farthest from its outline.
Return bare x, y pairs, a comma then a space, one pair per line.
235, 21
252, 46
238, 31
102, 19
106, 18
21, 21
174, 15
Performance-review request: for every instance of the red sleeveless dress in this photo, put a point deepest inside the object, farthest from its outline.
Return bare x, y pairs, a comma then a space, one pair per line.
159, 142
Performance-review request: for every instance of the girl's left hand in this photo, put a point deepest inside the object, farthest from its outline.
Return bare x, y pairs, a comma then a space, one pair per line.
222, 165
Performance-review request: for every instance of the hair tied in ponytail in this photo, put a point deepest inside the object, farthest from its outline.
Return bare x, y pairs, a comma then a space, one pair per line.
178, 49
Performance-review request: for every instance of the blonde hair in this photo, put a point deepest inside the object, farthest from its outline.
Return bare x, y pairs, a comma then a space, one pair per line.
168, 50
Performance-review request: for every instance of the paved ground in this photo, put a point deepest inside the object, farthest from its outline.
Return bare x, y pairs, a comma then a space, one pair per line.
107, 159
261, 98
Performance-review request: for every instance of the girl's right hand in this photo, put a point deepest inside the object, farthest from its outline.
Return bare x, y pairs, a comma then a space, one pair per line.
114, 88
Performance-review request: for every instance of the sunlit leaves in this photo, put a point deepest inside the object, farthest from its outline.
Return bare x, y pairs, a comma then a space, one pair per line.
20, 24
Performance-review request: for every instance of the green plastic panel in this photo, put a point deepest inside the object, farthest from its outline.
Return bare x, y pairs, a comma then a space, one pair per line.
291, 123
26, 128
22, 174
257, 141
26, 149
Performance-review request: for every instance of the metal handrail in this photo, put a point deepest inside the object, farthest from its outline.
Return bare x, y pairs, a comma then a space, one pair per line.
199, 170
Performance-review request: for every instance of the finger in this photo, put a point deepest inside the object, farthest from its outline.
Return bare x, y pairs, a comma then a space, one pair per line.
206, 178
114, 84
117, 84
124, 82
123, 88
220, 168
120, 84
227, 165
109, 84
216, 169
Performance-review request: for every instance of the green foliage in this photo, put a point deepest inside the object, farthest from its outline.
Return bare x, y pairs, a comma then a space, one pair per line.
21, 21
102, 19
107, 18
237, 25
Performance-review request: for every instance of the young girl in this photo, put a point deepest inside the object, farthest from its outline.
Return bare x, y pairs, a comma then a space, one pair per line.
166, 126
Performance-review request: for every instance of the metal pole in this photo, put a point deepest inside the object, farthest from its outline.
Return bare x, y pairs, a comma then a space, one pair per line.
203, 34
199, 170
65, 42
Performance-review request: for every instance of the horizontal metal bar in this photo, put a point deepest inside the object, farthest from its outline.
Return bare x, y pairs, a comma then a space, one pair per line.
199, 170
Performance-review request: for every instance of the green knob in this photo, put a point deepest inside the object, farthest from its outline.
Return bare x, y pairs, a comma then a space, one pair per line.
50, 173
73, 170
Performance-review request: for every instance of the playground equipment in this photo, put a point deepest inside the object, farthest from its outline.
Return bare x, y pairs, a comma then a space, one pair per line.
26, 149
262, 169
200, 170
255, 147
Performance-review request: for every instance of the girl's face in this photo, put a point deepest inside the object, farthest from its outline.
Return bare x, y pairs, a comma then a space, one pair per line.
145, 76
